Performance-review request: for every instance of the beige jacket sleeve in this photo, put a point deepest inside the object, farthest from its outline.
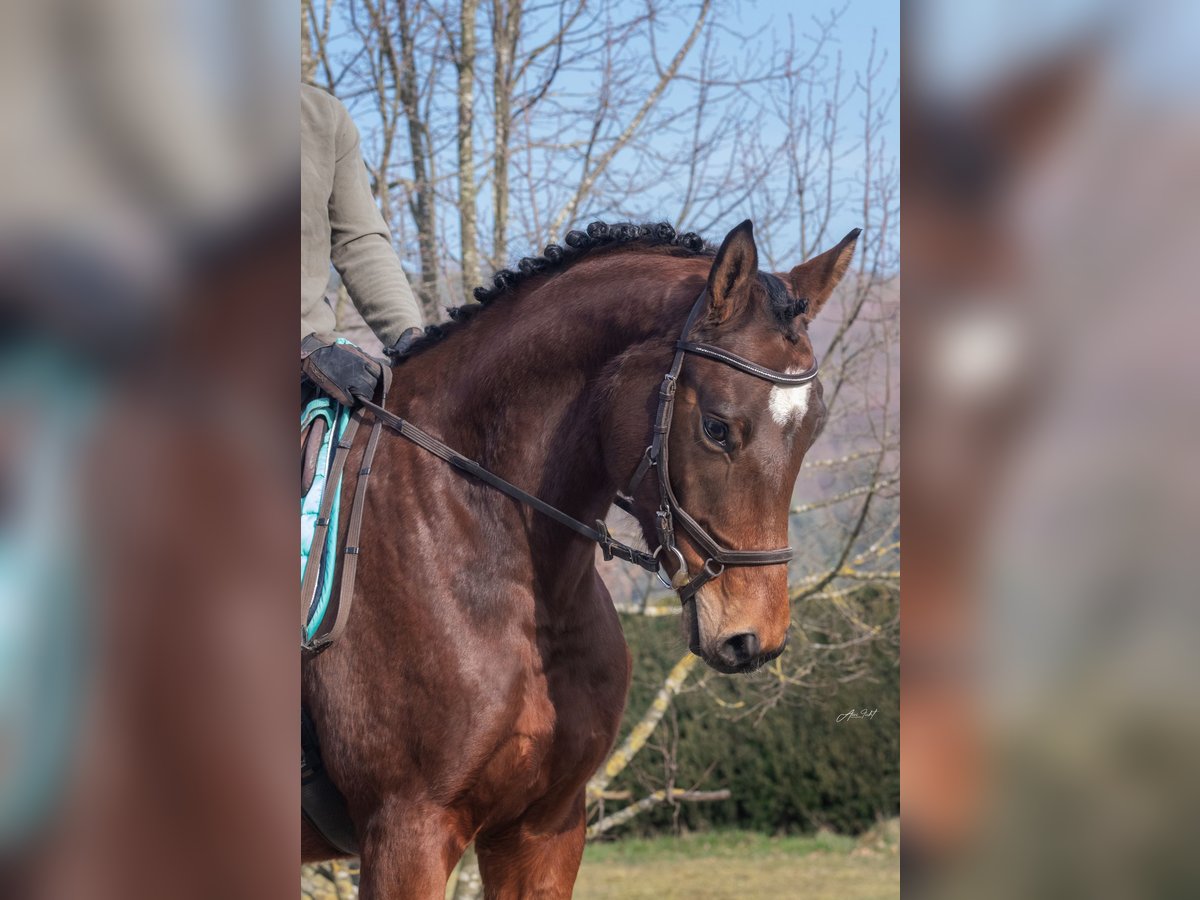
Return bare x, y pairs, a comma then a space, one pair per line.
341, 210
360, 245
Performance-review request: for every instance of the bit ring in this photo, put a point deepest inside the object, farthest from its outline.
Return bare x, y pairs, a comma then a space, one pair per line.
682, 564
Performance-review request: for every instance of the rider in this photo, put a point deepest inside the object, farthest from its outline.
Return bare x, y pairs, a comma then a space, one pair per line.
340, 223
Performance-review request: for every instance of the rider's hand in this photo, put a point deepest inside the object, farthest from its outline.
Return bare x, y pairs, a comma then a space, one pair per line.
342, 371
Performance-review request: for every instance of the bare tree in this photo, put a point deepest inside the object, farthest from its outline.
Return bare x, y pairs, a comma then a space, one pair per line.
644, 110
467, 193
594, 168
404, 73
308, 62
506, 32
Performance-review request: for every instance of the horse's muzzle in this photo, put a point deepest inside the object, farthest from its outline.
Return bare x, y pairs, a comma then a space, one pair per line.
739, 653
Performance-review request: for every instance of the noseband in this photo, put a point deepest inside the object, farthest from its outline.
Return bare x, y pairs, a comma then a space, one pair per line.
657, 457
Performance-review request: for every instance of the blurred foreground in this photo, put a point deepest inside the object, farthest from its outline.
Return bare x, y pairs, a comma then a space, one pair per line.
1051, 178
147, 276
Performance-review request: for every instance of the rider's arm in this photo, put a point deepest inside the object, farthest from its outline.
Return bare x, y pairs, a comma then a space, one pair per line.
361, 248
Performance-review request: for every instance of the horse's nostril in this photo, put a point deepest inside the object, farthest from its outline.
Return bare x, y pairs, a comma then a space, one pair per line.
740, 649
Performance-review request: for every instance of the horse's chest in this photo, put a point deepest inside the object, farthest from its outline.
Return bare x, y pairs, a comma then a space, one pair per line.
560, 732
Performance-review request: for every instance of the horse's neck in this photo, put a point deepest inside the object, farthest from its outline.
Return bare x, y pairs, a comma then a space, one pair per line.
522, 392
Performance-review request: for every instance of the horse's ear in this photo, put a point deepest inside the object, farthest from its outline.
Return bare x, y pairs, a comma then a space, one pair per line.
815, 279
733, 271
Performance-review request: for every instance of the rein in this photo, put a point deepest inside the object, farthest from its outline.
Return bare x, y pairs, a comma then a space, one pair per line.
656, 457
609, 545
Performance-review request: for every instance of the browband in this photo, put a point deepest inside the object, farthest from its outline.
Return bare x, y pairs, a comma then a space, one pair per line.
751, 368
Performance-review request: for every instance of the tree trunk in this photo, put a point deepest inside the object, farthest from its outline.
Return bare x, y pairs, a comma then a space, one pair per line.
506, 29
308, 63
423, 204
466, 150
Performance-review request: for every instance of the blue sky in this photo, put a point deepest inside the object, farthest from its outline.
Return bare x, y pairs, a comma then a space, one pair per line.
769, 23
852, 37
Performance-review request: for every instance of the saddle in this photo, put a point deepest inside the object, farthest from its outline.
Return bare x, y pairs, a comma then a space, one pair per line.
329, 432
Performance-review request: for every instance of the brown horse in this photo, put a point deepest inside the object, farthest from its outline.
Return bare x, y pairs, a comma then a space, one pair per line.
482, 676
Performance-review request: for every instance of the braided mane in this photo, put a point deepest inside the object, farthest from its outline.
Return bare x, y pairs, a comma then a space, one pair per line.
598, 237
556, 258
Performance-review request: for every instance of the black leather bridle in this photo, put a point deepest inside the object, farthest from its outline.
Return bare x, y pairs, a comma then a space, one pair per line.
656, 457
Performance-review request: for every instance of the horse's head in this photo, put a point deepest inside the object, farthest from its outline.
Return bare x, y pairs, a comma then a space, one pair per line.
735, 446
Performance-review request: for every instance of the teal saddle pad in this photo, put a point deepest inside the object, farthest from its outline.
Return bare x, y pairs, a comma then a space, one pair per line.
47, 593
336, 417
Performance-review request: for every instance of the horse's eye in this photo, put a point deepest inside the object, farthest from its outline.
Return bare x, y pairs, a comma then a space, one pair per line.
717, 431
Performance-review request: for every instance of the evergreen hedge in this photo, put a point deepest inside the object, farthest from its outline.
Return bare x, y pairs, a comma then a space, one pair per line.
793, 770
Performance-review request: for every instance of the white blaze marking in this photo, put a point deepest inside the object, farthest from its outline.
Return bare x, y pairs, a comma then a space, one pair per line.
789, 404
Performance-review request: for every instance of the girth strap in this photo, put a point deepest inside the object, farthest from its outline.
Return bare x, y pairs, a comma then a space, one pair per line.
339, 615
353, 533
308, 584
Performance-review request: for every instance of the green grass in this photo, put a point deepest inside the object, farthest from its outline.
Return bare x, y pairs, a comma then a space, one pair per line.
729, 865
